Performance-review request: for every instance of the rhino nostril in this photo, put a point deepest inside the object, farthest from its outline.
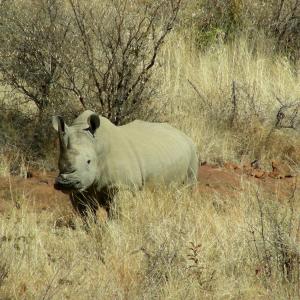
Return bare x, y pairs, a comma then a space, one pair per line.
57, 185
62, 180
61, 177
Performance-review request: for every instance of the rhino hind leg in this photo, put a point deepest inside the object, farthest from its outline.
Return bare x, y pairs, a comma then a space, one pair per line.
192, 174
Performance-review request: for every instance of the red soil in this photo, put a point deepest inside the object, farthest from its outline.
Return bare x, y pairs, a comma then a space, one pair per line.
39, 194
35, 193
281, 182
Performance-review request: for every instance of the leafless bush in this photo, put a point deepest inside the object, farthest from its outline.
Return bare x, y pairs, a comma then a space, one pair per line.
120, 43
100, 55
240, 109
33, 40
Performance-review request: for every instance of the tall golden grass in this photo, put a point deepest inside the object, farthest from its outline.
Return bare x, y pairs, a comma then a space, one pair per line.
166, 245
261, 80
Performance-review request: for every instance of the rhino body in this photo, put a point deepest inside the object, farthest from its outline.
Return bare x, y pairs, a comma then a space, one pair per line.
97, 157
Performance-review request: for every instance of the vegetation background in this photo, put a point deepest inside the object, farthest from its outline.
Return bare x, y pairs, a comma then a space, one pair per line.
226, 72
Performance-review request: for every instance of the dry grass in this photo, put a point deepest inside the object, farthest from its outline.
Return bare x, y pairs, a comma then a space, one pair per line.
169, 244
166, 245
261, 80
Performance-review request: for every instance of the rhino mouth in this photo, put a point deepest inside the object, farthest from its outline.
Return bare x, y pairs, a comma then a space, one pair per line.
66, 185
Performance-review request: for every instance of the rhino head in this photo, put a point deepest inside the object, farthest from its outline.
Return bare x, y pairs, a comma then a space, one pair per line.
78, 162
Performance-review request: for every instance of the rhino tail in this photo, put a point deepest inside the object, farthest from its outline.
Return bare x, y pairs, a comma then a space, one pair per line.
192, 174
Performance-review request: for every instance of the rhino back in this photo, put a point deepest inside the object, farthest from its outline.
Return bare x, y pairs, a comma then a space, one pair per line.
142, 152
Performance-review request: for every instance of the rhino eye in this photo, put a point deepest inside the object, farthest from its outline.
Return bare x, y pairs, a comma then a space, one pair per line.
88, 161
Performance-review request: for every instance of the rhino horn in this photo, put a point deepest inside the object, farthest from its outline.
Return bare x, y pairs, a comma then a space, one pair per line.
61, 127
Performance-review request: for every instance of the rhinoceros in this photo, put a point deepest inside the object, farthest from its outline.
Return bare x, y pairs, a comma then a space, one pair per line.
97, 158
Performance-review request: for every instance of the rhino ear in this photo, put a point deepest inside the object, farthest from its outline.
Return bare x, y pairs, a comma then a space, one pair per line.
59, 124
94, 123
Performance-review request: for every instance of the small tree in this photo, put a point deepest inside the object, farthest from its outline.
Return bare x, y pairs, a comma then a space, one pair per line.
120, 42
32, 40
102, 54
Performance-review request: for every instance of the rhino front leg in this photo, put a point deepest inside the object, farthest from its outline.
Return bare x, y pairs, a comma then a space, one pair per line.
106, 200
87, 203
84, 205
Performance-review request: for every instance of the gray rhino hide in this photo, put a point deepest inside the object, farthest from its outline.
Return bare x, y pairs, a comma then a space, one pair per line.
97, 157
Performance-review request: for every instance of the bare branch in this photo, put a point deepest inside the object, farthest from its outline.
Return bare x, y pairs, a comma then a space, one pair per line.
202, 98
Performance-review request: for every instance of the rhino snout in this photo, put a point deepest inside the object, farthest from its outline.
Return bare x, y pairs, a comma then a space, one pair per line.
62, 183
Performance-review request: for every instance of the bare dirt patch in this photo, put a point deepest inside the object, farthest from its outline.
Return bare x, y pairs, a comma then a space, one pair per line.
280, 182
37, 192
